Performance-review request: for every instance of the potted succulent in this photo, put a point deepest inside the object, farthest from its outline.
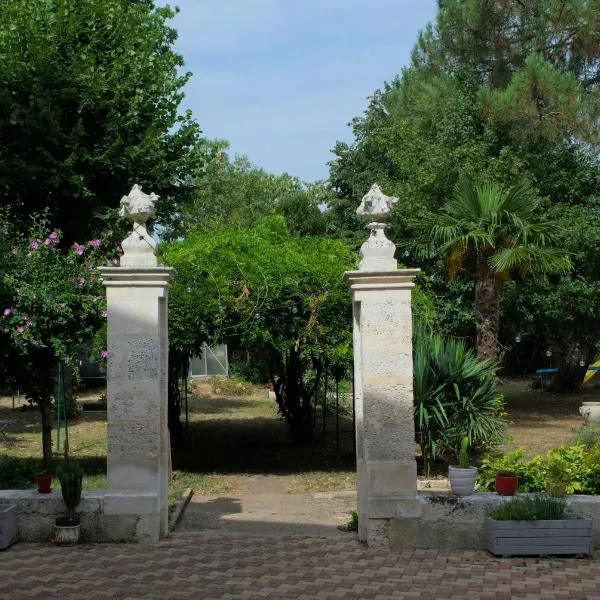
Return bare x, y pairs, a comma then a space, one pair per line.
537, 525
506, 483
462, 477
70, 475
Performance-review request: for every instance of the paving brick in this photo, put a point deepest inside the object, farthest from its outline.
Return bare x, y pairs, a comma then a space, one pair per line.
230, 566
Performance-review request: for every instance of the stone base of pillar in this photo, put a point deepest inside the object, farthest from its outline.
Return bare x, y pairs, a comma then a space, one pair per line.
380, 514
151, 521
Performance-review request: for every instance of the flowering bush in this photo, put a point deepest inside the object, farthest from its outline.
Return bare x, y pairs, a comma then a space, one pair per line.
54, 304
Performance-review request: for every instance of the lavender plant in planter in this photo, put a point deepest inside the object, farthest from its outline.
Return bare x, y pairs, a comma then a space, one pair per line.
537, 526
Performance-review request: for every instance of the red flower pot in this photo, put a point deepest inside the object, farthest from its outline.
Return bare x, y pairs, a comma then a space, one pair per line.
44, 483
506, 483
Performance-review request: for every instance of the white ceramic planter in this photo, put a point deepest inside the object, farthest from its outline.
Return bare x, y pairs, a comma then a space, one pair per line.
65, 534
462, 480
590, 411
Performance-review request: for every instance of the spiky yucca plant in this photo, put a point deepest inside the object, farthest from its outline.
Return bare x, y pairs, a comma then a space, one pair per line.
455, 396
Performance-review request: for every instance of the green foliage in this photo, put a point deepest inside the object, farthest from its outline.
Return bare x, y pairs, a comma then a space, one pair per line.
230, 386
262, 288
587, 436
531, 473
352, 524
501, 104
236, 194
463, 453
18, 473
89, 99
572, 468
535, 508
70, 475
455, 395
54, 304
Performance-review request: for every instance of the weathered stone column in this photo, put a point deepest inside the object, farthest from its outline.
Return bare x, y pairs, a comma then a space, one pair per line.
138, 439
383, 380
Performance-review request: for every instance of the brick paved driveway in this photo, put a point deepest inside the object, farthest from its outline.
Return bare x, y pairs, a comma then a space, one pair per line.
224, 565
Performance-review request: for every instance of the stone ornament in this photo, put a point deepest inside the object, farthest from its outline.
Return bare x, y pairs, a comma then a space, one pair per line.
138, 247
377, 253
376, 205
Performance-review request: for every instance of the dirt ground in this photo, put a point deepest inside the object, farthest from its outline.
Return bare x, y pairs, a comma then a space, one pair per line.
239, 444
541, 420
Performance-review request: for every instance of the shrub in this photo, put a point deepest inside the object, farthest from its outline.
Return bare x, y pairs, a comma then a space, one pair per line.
531, 473
455, 395
570, 466
588, 436
538, 507
233, 386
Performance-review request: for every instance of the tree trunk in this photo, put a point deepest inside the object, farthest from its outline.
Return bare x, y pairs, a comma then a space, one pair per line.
487, 309
46, 410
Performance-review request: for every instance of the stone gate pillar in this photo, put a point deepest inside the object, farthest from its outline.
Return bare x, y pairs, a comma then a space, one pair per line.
138, 437
383, 379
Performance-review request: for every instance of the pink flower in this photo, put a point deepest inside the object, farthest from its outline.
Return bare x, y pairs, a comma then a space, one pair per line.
79, 249
27, 323
80, 282
20, 329
54, 237
94, 243
103, 354
7, 312
115, 261
35, 245
48, 242
120, 248
104, 313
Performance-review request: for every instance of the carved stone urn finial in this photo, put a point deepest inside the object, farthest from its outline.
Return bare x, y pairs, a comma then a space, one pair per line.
377, 253
138, 247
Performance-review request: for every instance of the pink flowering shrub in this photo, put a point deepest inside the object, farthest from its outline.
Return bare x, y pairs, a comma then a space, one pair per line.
54, 304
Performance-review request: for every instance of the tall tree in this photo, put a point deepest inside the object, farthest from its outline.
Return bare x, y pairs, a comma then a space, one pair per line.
233, 193
499, 227
89, 99
496, 91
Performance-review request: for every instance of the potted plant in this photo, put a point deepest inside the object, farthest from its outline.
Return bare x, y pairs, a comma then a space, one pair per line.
462, 477
70, 475
506, 483
44, 482
537, 525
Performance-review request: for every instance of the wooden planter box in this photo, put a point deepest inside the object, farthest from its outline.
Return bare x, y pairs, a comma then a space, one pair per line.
520, 538
9, 528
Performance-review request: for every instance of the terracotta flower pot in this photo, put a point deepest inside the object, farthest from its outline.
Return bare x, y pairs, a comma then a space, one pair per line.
44, 483
506, 484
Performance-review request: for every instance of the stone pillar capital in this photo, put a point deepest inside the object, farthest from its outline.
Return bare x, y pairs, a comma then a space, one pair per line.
359, 281
137, 278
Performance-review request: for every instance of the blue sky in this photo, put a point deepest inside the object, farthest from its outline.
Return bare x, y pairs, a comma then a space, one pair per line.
281, 79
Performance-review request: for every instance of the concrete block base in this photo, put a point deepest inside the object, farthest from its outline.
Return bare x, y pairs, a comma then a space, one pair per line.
105, 516
452, 522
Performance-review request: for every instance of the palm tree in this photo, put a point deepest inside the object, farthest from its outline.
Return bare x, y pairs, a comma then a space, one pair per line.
498, 227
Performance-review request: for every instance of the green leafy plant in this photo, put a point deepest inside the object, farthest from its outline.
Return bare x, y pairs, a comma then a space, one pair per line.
535, 508
70, 475
352, 524
455, 395
531, 473
463, 453
588, 436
